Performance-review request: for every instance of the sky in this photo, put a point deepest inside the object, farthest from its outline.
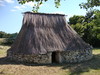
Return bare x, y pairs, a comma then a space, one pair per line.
11, 12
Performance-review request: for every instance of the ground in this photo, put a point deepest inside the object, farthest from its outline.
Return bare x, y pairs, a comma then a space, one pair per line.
91, 67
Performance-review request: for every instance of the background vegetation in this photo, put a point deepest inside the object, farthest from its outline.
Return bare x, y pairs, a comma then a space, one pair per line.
88, 27
7, 39
37, 3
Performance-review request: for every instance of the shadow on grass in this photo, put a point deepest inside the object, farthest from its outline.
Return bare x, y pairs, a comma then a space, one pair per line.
74, 69
78, 68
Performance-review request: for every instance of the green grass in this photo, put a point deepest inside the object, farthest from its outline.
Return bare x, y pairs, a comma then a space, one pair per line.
2, 40
96, 51
91, 67
3, 50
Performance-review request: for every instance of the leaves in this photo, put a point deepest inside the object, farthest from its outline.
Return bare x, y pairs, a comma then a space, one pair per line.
90, 4
88, 27
79, 28
76, 19
37, 3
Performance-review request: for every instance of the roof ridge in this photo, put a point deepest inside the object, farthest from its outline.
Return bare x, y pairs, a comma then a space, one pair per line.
44, 13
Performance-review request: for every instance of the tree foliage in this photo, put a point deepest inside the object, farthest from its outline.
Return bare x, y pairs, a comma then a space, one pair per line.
79, 28
2, 34
76, 19
7, 35
37, 3
90, 4
89, 27
10, 38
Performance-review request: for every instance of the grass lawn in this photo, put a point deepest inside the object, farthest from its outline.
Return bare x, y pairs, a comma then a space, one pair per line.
91, 67
2, 40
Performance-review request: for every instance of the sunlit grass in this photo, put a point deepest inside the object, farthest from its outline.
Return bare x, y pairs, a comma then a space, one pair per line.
96, 51
3, 50
1, 40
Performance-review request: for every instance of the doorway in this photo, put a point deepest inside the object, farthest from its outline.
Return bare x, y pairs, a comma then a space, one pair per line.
56, 57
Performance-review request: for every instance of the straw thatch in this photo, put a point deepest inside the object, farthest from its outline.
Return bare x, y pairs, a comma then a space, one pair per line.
42, 33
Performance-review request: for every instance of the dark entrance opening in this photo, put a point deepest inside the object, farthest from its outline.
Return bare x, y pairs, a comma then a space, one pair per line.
54, 57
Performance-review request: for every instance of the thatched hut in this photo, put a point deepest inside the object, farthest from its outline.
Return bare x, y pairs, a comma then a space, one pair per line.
47, 38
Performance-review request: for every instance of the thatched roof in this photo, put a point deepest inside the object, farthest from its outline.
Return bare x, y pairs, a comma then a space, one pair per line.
42, 33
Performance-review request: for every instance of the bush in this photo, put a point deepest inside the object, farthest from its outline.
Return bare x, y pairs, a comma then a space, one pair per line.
8, 41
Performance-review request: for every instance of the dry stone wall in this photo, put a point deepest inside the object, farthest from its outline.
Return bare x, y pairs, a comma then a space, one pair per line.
65, 57
76, 56
40, 59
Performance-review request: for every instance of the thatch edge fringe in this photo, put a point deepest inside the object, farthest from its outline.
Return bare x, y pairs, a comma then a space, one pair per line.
44, 13
50, 51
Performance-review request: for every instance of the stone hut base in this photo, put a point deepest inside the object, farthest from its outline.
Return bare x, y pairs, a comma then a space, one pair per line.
52, 57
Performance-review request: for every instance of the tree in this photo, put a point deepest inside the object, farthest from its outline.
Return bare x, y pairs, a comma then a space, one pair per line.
90, 4
2, 34
38, 3
9, 38
76, 23
79, 28
87, 5
89, 28
76, 19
